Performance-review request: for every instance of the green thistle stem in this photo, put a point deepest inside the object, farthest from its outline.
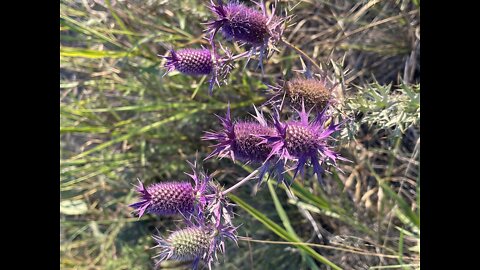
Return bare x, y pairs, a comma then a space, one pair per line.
243, 181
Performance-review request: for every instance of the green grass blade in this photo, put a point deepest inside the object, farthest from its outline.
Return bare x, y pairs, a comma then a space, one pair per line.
327, 208
84, 129
308, 196
281, 212
401, 203
134, 133
86, 53
280, 231
286, 223
80, 27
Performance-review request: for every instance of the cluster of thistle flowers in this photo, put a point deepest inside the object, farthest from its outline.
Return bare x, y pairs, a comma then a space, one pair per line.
277, 146
281, 146
206, 212
237, 22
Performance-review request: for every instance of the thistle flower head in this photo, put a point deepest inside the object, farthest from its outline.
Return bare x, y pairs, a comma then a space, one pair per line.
196, 242
242, 139
245, 141
239, 22
190, 61
190, 243
303, 140
247, 25
315, 93
171, 198
247, 144
195, 62
165, 198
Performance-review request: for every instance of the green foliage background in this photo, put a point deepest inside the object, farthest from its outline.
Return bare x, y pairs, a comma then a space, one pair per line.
120, 120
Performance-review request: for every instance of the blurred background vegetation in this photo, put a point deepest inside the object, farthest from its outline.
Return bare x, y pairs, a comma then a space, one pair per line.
120, 120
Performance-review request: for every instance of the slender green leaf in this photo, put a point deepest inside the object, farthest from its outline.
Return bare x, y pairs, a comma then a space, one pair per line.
286, 223
280, 231
86, 53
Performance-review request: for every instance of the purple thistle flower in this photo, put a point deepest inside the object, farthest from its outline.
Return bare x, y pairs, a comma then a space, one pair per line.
196, 242
244, 140
248, 25
172, 198
239, 22
190, 61
304, 141
195, 62
165, 199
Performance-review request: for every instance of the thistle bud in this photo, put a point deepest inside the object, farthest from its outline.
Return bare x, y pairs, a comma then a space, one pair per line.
186, 244
313, 92
196, 242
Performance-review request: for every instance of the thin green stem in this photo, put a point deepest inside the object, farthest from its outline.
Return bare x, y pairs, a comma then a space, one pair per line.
239, 184
366, 253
